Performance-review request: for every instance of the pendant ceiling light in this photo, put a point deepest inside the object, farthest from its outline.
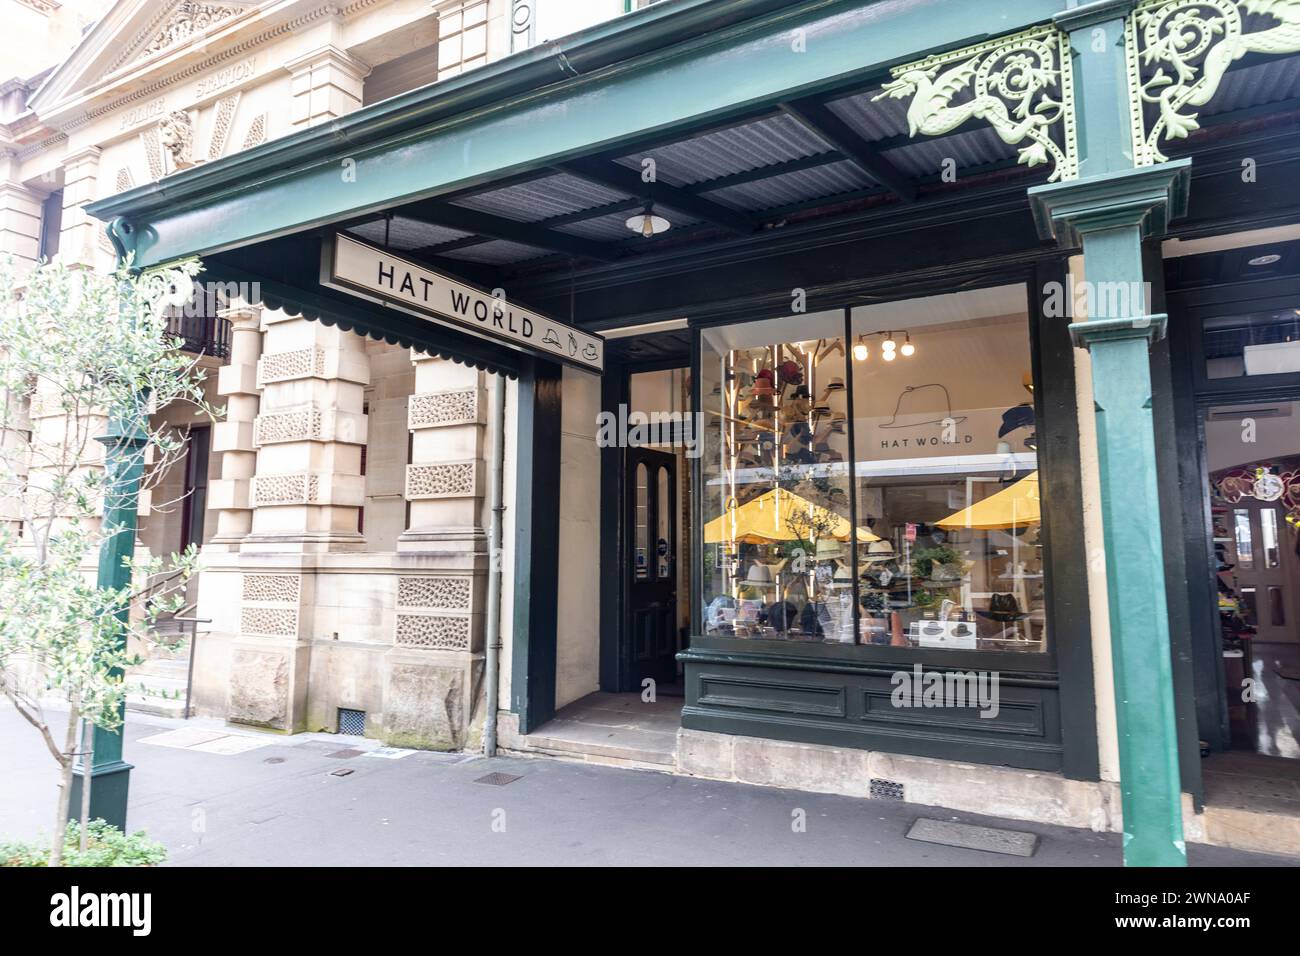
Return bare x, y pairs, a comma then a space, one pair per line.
889, 346
647, 223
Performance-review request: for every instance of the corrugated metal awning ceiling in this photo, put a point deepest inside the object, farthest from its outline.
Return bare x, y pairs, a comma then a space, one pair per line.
737, 149
740, 176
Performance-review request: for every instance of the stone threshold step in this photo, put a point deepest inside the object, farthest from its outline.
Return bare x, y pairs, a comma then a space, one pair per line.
623, 763
611, 750
1271, 830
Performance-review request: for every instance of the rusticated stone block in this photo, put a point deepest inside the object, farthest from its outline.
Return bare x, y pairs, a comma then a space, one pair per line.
424, 706
259, 689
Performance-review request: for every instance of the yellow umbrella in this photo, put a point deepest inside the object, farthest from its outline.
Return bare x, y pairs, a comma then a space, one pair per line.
775, 516
1015, 506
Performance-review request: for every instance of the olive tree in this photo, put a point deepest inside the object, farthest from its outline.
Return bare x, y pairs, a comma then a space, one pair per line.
82, 356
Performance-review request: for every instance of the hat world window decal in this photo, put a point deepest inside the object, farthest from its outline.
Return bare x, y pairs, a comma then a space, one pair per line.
370, 273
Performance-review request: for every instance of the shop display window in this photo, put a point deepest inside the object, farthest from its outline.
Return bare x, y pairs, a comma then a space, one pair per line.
1258, 343
872, 479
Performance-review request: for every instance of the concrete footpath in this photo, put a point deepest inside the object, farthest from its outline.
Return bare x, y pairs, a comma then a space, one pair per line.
216, 796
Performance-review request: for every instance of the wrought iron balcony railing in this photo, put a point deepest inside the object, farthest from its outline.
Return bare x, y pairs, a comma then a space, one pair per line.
201, 334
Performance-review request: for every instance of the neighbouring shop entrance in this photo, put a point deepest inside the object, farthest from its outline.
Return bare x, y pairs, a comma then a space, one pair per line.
1253, 459
1239, 342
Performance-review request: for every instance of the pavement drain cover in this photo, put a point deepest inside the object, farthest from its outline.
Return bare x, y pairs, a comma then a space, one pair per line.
342, 772
273, 760
969, 837
345, 754
498, 779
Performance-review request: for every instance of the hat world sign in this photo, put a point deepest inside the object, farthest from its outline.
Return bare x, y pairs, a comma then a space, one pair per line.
363, 270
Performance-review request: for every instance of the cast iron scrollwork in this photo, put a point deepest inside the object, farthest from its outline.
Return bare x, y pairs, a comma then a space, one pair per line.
1179, 51
1020, 85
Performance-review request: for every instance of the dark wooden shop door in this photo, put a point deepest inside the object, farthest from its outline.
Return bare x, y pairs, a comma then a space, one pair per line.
650, 618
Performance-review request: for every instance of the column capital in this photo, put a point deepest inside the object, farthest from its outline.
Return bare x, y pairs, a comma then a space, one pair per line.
242, 316
80, 157
328, 55
1146, 198
1150, 328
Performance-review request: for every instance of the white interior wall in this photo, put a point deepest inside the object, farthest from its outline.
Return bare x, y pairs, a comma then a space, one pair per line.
577, 666
508, 550
1094, 544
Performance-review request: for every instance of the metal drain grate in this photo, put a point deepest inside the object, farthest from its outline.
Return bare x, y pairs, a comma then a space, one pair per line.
885, 789
342, 772
499, 779
969, 837
352, 722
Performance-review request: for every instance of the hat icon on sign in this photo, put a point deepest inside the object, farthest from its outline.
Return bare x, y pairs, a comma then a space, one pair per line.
550, 338
590, 353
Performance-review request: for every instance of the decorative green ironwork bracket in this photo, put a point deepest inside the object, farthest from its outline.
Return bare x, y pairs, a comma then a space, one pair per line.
1021, 85
1179, 51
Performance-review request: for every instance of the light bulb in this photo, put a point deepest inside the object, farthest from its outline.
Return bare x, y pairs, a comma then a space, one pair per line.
889, 355
860, 351
647, 226
908, 348
889, 344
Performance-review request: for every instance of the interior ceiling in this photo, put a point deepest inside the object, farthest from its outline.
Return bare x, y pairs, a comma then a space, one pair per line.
809, 160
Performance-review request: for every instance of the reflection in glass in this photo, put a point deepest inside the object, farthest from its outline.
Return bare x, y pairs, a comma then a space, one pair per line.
642, 522
777, 558
663, 540
926, 532
1249, 606
1245, 542
1260, 343
946, 475
1277, 616
1268, 537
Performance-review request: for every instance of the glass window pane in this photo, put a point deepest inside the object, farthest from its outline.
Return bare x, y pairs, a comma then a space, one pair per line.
1268, 537
663, 517
642, 523
777, 551
947, 474
1276, 614
1261, 343
1244, 542
926, 533
1249, 606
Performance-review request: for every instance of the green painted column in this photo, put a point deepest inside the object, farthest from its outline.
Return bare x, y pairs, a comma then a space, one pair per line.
1108, 215
124, 466
1107, 211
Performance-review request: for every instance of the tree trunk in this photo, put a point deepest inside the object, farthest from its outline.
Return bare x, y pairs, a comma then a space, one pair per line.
65, 790
87, 763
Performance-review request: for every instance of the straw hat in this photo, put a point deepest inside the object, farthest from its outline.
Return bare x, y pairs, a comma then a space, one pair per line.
829, 549
880, 550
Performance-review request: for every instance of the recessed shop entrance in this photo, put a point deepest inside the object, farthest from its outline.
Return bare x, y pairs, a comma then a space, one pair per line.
645, 440
1235, 335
